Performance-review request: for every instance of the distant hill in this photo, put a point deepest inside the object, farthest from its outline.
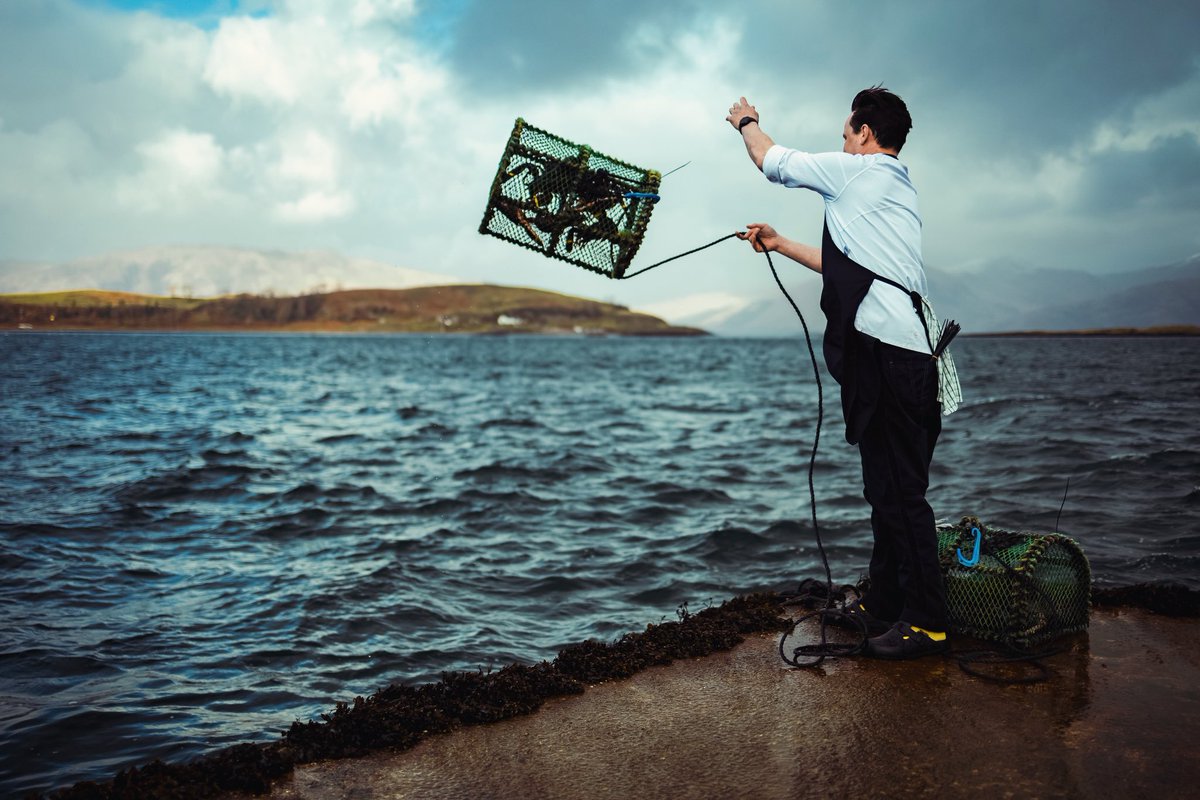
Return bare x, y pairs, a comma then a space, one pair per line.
458, 308
1009, 297
209, 271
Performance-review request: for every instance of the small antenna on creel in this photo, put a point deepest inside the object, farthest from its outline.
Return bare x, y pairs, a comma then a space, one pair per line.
1064, 502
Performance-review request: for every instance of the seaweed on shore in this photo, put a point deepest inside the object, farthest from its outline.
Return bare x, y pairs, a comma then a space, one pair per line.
399, 716
1168, 599
242, 767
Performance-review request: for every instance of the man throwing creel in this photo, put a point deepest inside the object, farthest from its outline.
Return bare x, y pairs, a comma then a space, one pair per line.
877, 348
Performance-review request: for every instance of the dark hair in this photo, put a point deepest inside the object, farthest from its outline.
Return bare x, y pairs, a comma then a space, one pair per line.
885, 113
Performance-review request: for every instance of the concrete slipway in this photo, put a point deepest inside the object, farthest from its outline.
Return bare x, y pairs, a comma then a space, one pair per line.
1119, 718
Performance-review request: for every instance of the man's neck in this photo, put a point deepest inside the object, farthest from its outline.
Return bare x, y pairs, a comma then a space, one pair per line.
874, 149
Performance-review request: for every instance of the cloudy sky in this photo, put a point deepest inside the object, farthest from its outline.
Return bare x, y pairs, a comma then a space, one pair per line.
1049, 134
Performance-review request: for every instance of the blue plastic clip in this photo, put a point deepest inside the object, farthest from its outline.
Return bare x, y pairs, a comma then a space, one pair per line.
653, 198
974, 559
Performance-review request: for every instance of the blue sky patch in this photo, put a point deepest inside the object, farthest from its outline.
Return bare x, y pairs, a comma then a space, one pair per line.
189, 9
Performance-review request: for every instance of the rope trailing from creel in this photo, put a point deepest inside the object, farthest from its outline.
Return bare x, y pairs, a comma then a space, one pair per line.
681, 255
829, 611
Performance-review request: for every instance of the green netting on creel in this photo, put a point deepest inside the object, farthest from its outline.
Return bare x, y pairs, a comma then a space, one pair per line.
567, 201
1027, 588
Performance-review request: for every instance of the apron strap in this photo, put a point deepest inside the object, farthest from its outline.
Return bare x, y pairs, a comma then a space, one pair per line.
914, 296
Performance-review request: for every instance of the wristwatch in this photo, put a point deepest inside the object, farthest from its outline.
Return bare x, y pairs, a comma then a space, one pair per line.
744, 121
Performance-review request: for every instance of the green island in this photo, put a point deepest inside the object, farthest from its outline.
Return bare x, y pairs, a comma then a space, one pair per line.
457, 308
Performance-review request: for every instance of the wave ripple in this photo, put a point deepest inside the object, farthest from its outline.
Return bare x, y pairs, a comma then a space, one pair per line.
206, 537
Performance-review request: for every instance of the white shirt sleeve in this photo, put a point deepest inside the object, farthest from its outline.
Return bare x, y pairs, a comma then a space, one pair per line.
824, 173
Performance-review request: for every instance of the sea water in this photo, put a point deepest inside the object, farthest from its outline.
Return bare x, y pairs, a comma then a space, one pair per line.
206, 537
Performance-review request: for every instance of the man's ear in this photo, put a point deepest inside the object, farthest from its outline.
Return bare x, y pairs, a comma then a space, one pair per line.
865, 134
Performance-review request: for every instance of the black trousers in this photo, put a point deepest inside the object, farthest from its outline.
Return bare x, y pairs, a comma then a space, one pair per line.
896, 449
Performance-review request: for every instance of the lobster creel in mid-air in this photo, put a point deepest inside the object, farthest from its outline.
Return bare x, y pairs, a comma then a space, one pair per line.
569, 202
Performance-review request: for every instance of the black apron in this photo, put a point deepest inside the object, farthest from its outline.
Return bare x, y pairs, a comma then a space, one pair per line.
850, 355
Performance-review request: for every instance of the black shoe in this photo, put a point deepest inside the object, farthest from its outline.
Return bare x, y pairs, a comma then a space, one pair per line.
902, 641
854, 614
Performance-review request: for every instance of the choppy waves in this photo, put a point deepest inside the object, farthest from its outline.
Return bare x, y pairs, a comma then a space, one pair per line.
207, 537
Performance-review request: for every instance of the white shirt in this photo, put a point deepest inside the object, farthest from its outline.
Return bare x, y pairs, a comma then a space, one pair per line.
871, 210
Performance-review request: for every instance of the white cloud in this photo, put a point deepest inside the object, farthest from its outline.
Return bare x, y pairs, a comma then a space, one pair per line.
183, 158
180, 169
315, 60
316, 206
375, 94
370, 97
309, 158
1173, 112
361, 11
310, 163
250, 57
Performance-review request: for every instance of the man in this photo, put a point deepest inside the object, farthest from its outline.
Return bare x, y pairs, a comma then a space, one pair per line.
877, 347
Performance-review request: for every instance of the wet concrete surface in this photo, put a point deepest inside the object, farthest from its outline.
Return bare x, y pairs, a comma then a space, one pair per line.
1119, 718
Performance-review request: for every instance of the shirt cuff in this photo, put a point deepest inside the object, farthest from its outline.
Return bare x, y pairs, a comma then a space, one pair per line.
772, 161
